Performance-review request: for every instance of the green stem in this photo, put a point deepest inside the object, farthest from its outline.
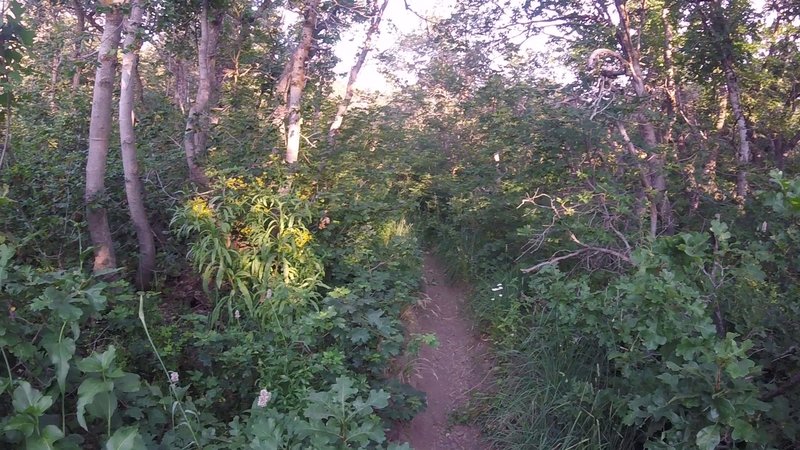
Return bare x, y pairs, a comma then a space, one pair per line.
8, 366
166, 372
108, 421
63, 394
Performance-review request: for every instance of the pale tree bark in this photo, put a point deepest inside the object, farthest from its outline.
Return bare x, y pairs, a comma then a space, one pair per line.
196, 132
127, 137
654, 161
180, 88
297, 81
80, 28
99, 129
341, 110
744, 155
717, 25
55, 67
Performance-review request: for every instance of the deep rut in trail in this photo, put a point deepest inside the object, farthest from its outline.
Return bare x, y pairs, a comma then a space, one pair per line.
450, 373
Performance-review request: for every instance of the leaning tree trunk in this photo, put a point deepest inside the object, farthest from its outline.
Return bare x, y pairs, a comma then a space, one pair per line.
195, 135
127, 137
99, 129
362, 56
297, 81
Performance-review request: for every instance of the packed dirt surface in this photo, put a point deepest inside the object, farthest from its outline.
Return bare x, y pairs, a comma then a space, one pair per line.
449, 373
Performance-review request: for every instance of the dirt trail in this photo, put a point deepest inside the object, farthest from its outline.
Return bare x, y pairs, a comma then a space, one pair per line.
450, 373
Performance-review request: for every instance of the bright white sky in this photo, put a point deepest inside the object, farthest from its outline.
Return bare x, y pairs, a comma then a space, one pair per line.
397, 22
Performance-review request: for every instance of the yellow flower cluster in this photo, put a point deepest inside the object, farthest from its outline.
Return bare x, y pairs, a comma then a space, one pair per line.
301, 236
200, 208
235, 183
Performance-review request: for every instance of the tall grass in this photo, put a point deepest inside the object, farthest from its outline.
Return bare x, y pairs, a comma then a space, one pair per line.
545, 396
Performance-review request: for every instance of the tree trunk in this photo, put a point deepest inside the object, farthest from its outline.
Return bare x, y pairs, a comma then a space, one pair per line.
297, 82
717, 25
710, 168
655, 162
744, 156
362, 56
180, 94
195, 135
127, 137
55, 69
99, 129
80, 27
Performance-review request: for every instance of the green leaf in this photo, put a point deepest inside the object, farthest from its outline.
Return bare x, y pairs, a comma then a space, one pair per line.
108, 356
125, 438
23, 423
38, 443
29, 400
61, 303
129, 382
744, 431
740, 369
87, 391
359, 335
720, 230
91, 364
50, 434
708, 438
60, 354
378, 399
103, 406
96, 298
98, 363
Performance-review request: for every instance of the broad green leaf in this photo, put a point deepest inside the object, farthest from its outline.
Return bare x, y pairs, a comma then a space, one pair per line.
129, 382
741, 368
60, 354
38, 443
378, 399
91, 364
61, 303
103, 406
50, 434
96, 298
359, 335
108, 356
29, 400
744, 431
24, 423
125, 438
708, 438
87, 391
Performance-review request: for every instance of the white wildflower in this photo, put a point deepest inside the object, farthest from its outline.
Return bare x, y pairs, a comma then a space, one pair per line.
264, 397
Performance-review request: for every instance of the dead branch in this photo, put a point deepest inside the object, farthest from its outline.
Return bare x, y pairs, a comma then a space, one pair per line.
554, 260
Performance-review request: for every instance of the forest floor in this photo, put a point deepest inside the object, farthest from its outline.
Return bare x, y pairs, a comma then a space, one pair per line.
449, 373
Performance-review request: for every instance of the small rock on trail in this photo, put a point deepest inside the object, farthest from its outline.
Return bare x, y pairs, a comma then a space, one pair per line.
450, 373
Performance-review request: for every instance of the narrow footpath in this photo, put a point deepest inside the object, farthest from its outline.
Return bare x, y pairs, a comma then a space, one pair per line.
450, 373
